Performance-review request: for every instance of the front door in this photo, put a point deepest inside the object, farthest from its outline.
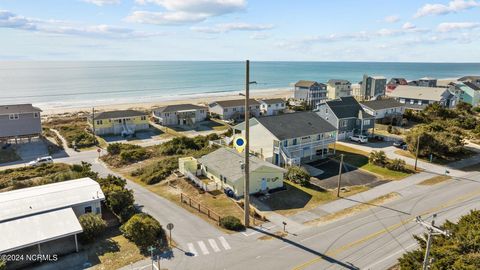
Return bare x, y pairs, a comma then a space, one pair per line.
264, 184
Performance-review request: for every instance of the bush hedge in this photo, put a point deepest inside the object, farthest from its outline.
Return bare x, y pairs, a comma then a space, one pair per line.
231, 223
298, 175
93, 225
143, 230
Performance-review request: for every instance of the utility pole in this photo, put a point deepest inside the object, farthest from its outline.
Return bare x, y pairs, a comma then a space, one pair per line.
416, 154
246, 192
432, 231
340, 175
93, 119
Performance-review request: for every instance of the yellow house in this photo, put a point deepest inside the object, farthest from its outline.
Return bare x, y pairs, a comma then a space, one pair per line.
125, 122
223, 169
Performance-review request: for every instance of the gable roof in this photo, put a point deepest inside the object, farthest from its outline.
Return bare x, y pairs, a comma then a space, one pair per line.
119, 114
294, 125
234, 103
418, 92
18, 108
346, 107
471, 85
304, 83
272, 100
179, 107
382, 104
34, 200
226, 161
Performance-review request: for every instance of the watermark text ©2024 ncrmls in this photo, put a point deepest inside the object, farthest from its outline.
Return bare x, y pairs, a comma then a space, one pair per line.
29, 257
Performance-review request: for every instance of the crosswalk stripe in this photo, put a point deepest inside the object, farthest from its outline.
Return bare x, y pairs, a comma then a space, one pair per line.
214, 245
224, 242
192, 249
203, 247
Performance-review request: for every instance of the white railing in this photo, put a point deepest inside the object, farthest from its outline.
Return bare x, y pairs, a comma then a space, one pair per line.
204, 186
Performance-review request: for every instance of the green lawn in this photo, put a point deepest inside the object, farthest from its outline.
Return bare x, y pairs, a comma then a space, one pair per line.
441, 161
359, 159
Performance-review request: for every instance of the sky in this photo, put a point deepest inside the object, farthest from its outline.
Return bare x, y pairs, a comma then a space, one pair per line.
260, 30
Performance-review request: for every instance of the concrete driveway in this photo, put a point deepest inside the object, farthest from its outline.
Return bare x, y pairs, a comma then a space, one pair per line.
351, 176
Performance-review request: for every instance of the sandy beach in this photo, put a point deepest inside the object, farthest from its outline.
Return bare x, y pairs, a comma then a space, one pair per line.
201, 100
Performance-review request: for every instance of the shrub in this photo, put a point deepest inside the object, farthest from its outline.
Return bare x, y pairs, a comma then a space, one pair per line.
157, 171
231, 223
114, 148
3, 264
298, 175
397, 165
378, 158
126, 213
389, 129
142, 229
118, 198
133, 155
93, 225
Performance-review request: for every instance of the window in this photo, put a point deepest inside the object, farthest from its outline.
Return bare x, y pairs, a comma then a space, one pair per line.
234, 109
99, 122
226, 110
285, 143
13, 116
294, 141
419, 102
366, 122
412, 101
402, 100
343, 123
97, 210
35, 115
88, 209
326, 110
269, 105
143, 118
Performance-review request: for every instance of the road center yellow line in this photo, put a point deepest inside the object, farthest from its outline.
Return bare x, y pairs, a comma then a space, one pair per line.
388, 229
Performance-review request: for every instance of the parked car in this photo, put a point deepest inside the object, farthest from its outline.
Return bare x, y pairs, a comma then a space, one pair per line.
400, 144
359, 138
40, 161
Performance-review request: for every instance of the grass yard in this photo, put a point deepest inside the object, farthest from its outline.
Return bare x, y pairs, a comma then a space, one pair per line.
435, 180
359, 159
8, 155
436, 160
74, 130
297, 198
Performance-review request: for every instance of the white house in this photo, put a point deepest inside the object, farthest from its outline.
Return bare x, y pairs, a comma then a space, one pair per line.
223, 169
417, 97
44, 219
272, 106
233, 109
291, 138
180, 114
384, 108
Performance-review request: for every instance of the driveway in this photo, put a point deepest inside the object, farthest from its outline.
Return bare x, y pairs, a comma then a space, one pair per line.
351, 176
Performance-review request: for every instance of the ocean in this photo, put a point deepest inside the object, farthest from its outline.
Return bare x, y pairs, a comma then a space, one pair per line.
83, 84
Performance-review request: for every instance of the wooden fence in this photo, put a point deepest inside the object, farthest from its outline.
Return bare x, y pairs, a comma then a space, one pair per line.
185, 199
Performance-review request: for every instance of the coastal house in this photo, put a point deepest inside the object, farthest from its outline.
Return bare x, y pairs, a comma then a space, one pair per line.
180, 114
291, 138
310, 92
475, 80
346, 115
424, 82
394, 82
338, 88
233, 109
417, 98
372, 86
272, 106
124, 122
19, 121
44, 219
386, 109
223, 169
468, 92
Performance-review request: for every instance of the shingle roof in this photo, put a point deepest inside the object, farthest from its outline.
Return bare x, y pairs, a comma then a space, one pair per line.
382, 104
179, 107
294, 125
418, 92
471, 85
303, 83
119, 114
346, 107
227, 162
469, 78
18, 108
235, 102
272, 100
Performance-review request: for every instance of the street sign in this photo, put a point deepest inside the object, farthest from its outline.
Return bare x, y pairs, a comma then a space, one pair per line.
170, 226
239, 144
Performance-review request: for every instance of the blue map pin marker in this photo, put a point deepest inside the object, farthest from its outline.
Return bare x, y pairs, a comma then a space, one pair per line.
239, 144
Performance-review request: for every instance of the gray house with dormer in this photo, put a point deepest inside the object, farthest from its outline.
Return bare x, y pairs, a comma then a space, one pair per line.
19, 121
347, 116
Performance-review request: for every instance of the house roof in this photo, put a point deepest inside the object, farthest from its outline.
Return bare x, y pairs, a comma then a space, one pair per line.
30, 230
179, 107
333, 82
418, 92
34, 200
346, 107
378, 77
294, 125
272, 100
427, 79
382, 104
235, 102
119, 114
469, 78
471, 85
304, 83
227, 162
18, 108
